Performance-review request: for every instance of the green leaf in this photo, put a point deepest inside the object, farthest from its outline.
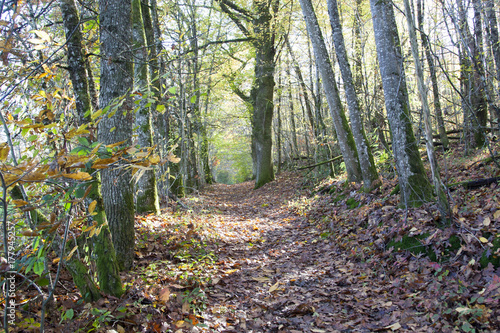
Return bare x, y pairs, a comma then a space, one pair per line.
42, 282
172, 90
38, 267
193, 99
160, 108
83, 141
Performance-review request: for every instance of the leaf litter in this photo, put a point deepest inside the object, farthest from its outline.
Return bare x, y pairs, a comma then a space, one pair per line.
291, 257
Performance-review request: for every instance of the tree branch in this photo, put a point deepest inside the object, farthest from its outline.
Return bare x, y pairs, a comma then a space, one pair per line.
226, 9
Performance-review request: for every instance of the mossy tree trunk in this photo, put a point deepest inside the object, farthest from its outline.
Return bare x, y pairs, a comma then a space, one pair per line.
107, 267
366, 161
432, 69
439, 187
147, 191
414, 185
342, 129
117, 81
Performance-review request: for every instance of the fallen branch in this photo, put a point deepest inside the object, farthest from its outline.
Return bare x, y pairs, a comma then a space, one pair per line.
472, 184
320, 163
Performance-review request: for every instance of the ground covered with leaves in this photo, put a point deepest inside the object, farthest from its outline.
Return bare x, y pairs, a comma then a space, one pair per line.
294, 256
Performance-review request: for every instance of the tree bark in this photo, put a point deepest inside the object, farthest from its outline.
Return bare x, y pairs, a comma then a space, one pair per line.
414, 185
366, 162
495, 47
147, 191
344, 135
107, 266
264, 90
439, 188
432, 70
116, 82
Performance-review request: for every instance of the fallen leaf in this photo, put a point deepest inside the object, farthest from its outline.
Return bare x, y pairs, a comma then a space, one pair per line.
393, 327
164, 294
274, 287
483, 240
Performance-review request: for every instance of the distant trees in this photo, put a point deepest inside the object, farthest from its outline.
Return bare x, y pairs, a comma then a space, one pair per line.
262, 36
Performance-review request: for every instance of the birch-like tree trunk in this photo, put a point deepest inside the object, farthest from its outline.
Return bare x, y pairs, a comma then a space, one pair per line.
147, 191
116, 83
439, 188
366, 162
344, 134
432, 69
107, 265
495, 47
414, 184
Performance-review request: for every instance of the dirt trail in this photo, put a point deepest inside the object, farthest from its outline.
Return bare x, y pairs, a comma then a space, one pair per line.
279, 275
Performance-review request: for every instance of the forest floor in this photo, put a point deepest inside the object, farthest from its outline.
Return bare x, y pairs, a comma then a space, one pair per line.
297, 257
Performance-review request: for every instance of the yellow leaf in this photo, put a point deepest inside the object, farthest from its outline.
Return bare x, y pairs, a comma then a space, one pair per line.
19, 203
41, 34
486, 221
104, 163
34, 177
78, 175
29, 233
154, 159
4, 151
96, 114
483, 240
68, 257
96, 148
92, 206
496, 215
115, 144
261, 279
36, 41
274, 287
56, 260
172, 158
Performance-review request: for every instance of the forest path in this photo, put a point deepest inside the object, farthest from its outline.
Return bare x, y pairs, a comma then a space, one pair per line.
276, 272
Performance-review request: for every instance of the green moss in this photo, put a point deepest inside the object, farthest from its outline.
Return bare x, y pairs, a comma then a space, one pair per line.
338, 198
82, 280
414, 245
491, 254
352, 203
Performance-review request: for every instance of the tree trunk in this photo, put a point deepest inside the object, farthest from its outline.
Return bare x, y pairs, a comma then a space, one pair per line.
473, 48
366, 162
147, 191
495, 47
432, 70
264, 91
116, 81
296, 150
439, 188
107, 266
344, 135
413, 181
